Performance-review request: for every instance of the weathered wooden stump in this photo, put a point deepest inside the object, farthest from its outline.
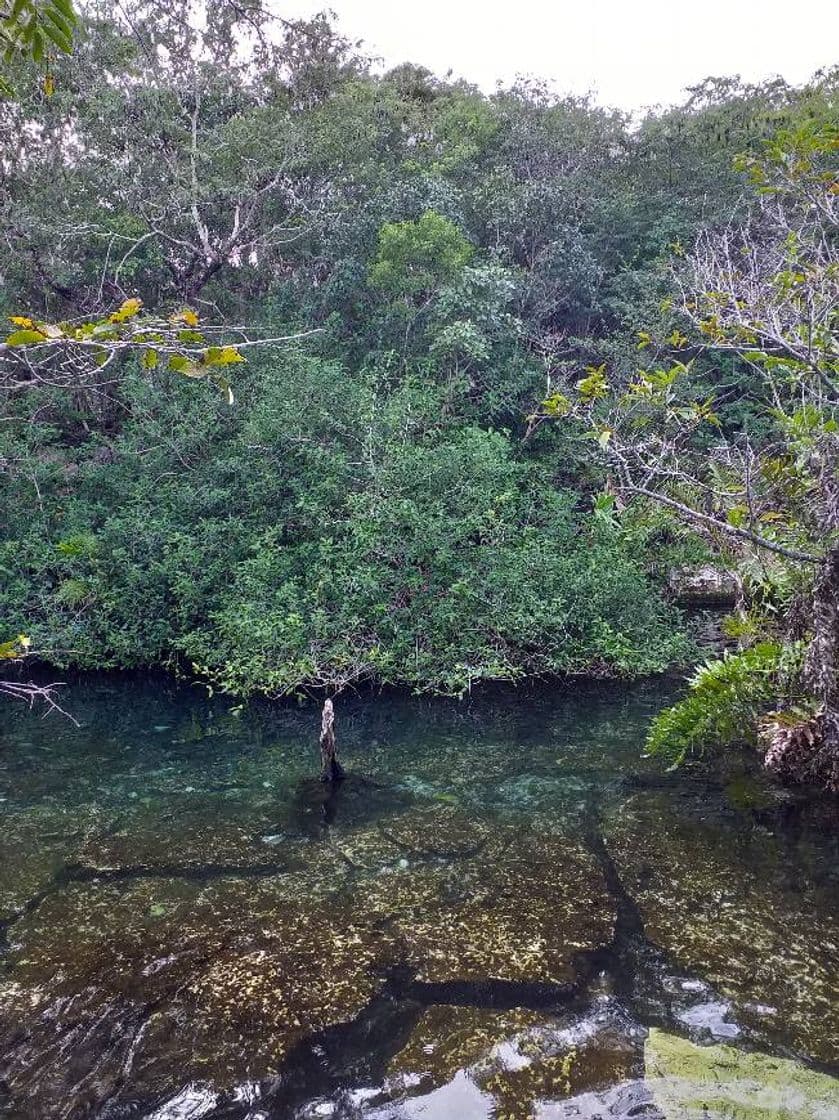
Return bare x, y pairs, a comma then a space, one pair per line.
331, 768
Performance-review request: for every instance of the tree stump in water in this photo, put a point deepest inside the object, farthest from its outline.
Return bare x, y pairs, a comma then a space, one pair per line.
331, 769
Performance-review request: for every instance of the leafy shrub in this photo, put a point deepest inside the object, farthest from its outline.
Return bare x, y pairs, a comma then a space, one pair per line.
331, 528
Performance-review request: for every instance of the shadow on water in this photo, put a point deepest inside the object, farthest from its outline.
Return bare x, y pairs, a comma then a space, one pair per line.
503, 910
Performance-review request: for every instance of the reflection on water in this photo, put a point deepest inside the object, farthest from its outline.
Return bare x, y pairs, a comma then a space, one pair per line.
503, 912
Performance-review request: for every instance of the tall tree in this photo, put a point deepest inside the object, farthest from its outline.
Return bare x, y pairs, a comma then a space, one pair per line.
762, 300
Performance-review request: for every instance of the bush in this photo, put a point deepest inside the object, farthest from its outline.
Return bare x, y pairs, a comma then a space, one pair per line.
330, 528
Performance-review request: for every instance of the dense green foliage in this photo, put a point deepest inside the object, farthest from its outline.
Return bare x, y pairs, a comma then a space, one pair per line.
325, 529
389, 499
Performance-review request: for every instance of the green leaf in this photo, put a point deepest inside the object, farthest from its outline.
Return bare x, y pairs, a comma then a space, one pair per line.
181, 364
595, 385
66, 9
24, 338
557, 404
222, 356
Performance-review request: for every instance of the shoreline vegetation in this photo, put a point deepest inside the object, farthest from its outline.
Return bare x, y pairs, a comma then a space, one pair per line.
317, 375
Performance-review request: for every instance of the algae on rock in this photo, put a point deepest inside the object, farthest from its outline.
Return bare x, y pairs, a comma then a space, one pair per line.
690, 1082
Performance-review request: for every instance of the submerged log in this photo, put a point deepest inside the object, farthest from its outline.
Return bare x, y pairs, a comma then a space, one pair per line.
331, 768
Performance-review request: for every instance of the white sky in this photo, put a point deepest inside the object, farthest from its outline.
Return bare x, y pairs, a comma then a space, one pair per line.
632, 54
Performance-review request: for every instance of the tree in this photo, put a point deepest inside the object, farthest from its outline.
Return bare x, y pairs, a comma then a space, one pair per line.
32, 29
415, 258
763, 301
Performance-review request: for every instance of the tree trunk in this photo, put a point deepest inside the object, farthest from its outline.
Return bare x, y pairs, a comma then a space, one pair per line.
331, 769
807, 749
821, 667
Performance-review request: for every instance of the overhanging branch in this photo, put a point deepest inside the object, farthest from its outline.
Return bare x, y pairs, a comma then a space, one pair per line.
724, 526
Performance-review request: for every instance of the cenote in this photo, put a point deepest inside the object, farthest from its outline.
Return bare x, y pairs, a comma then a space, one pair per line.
504, 911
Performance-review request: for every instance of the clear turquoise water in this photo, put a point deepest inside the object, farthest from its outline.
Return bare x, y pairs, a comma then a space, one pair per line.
503, 912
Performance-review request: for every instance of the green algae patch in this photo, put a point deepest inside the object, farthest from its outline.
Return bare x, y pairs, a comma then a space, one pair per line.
523, 918
726, 910
690, 1082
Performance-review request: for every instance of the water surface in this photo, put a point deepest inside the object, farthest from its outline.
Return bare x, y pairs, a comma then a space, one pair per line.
503, 912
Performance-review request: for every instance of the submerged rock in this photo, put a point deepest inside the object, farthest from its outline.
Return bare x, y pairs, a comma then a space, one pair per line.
690, 1082
186, 841
438, 832
523, 918
169, 981
433, 834
218, 978
268, 989
721, 905
35, 844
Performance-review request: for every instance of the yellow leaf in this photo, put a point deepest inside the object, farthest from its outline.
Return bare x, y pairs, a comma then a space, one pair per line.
127, 310
49, 85
24, 641
22, 321
557, 404
187, 316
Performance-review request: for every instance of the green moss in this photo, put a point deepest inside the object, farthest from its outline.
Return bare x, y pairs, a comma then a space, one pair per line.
691, 1082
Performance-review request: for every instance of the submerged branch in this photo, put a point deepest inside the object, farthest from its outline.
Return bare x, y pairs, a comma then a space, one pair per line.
37, 694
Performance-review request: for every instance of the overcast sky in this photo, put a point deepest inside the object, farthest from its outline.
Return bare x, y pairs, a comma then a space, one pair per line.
630, 54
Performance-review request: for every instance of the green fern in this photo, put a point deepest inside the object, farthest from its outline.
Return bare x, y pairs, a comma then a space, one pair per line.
724, 703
